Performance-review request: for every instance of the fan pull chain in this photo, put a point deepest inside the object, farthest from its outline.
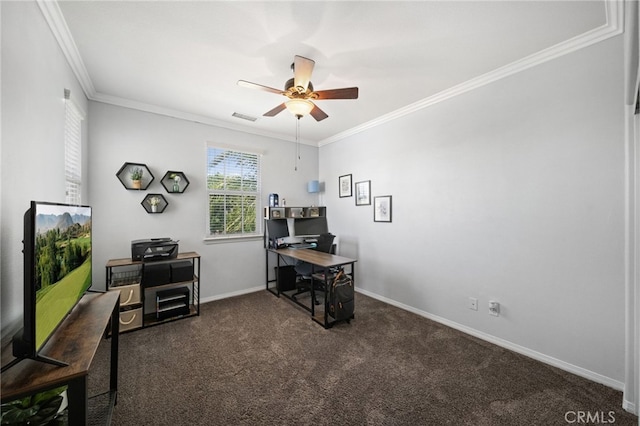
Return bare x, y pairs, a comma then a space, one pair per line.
297, 143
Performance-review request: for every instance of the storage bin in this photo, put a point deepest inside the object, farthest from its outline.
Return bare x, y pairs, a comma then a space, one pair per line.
129, 294
130, 319
131, 275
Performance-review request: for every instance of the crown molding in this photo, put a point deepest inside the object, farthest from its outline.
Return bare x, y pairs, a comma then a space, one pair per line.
614, 26
187, 116
58, 25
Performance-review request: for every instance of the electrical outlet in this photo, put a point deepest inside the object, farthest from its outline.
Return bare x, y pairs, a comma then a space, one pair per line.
473, 304
494, 308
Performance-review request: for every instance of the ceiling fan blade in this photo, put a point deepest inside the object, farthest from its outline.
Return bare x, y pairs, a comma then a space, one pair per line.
275, 111
251, 85
317, 113
302, 69
346, 93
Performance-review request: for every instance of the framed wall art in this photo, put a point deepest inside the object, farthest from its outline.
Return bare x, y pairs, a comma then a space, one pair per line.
344, 186
382, 208
363, 193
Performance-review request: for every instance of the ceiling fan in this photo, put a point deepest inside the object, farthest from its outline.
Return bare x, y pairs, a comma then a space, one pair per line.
299, 90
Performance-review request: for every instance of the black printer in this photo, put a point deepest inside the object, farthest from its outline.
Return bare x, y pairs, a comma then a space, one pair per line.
154, 249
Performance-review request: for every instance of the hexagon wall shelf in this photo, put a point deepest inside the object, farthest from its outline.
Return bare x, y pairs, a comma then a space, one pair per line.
126, 173
175, 182
159, 203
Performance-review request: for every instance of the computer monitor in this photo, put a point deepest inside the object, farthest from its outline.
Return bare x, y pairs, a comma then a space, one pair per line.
311, 227
277, 228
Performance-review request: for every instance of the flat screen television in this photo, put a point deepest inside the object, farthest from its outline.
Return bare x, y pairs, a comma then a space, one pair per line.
57, 273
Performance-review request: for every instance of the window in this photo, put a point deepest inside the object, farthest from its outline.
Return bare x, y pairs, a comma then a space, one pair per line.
233, 184
72, 152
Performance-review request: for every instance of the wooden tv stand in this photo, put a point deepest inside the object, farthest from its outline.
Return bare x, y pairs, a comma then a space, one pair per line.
74, 342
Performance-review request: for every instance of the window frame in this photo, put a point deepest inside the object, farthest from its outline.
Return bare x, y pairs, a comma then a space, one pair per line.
242, 236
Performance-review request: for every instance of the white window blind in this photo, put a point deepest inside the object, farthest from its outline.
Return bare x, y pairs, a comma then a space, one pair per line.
73, 153
233, 184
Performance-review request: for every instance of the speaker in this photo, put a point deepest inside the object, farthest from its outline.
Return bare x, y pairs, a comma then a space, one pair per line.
181, 271
156, 274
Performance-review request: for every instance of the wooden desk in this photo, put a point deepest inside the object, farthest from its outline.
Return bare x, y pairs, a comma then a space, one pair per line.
74, 342
321, 264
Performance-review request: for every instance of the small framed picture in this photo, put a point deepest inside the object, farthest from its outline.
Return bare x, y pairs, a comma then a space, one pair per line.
382, 208
363, 193
344, 186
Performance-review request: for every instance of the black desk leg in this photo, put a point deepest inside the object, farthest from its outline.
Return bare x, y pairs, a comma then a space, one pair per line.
115, 334
278, 275
78, 401
313, 292
326, 297
353, 280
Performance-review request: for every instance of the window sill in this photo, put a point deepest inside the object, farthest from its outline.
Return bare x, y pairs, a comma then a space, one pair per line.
232, 239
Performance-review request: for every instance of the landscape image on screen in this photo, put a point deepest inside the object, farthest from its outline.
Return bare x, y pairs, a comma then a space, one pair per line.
62, 263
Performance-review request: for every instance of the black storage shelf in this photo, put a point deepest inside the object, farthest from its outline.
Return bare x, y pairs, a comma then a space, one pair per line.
154, 285
294, 212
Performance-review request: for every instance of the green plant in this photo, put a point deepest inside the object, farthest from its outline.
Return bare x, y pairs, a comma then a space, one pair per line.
136, 173
154, 201
37, 409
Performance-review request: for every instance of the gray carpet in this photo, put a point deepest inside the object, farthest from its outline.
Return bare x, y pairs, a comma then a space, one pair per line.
259, 360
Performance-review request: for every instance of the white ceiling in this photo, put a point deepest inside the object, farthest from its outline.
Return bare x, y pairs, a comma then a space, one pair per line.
184, 58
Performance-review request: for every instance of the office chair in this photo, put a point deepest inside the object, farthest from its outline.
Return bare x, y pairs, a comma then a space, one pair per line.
304, 269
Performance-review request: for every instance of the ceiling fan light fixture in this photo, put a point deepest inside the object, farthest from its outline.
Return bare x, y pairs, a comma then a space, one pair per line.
299, 107
300, 92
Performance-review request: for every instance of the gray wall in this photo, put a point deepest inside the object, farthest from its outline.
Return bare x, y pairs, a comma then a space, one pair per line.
118, 135
34, 76
512, 192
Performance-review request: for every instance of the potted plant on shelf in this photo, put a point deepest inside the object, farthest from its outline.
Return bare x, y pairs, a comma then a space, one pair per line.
136, 177
153, 202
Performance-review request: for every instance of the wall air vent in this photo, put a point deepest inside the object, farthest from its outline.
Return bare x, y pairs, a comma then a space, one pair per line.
244, 116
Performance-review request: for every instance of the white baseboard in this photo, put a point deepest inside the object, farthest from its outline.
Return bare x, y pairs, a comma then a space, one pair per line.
629, 406
231, 294
579, 371
538, 356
